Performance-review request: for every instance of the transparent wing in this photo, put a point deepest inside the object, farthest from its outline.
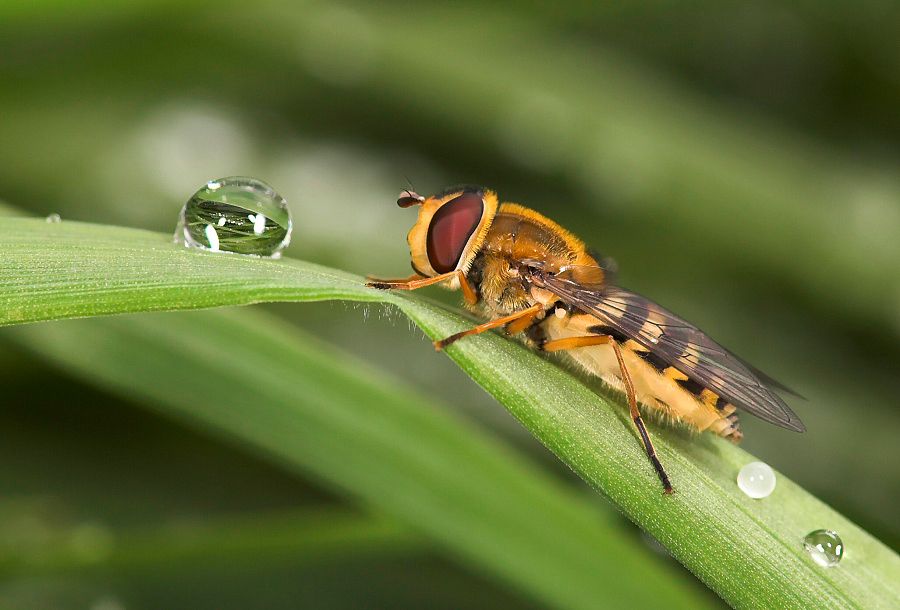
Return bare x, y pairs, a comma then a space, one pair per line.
680, 344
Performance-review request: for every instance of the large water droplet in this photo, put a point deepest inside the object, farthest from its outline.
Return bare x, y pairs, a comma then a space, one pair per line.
825, 547
52, 219
756, 479
236, 214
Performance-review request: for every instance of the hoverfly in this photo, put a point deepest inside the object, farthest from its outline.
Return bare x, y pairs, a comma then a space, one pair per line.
523, 271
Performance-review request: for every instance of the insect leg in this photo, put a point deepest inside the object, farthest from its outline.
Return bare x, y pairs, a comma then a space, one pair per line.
589, 340
395, 280
529, 313
412, 284
639, 422
520, 324
555, 345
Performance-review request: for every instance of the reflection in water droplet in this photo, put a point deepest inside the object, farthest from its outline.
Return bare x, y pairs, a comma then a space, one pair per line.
756, 479
52, 219
236, 214
212, 238
825, 547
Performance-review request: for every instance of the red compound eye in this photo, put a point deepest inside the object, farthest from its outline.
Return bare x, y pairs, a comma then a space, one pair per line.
450, 229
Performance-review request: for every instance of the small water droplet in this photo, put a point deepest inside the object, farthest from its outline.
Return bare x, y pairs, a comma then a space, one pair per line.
52, 219
756, 479
236, 214
825, 547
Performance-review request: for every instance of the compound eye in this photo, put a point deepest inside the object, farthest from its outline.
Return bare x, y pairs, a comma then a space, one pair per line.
450, 229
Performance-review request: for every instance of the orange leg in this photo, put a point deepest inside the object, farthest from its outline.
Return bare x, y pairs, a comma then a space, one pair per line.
639, 422
525, 313
393, 280
520, 324
573, 342
413, 284
587, 341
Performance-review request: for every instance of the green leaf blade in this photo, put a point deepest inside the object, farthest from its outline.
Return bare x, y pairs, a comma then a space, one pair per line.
72, 269
749, 551
261, 383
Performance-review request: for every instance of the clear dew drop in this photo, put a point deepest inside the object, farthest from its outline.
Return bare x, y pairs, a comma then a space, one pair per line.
236, 214
825, 547
756, 479
52, 219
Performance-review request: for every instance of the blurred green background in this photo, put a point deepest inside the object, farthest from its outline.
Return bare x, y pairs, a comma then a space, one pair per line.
739, 161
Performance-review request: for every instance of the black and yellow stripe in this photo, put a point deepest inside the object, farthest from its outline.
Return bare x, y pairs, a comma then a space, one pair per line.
729, 428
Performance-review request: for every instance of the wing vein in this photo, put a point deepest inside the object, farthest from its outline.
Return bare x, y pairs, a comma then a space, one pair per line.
680, 344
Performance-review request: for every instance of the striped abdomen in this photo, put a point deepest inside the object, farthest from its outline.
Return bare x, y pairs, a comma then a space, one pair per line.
657, 385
